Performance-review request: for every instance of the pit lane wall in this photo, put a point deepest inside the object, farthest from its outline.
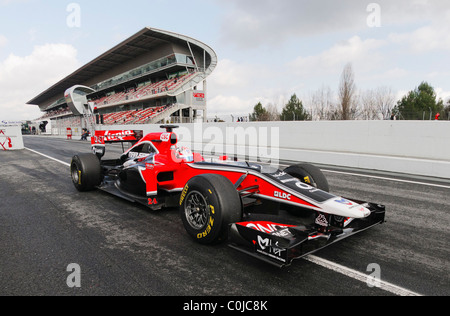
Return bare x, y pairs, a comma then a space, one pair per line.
412, 147
11, 137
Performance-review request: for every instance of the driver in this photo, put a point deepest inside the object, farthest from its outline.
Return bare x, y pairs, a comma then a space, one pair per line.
184, 153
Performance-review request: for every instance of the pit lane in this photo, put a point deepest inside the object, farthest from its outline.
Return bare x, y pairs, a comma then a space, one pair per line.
126, 249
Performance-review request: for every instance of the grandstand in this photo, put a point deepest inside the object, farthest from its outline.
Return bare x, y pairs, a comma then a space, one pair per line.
154, 76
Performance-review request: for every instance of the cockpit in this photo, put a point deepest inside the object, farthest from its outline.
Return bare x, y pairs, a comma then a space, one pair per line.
143, 151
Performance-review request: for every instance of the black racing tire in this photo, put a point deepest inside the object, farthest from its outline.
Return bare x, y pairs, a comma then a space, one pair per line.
310, 175
85, 171
208, 204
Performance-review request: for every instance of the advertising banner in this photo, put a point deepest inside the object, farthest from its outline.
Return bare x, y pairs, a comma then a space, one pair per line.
11, 137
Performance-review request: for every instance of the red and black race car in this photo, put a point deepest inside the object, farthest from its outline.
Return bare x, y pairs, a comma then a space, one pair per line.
226, 200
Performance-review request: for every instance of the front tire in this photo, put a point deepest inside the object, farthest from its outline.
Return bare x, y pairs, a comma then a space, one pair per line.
208, 204
310, 175
85, 171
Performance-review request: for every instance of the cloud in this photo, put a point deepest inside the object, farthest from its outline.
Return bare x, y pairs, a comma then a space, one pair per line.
3, 41
277, 30
362, 53
432, 37
255, 23
442, 94
8, 2
231, 88
401, 12
269, 22
231, 74
230, 104
22, 78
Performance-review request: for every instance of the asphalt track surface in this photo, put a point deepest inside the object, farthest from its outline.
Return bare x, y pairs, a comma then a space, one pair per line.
126, 249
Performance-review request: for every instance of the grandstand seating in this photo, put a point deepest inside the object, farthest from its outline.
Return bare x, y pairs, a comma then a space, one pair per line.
144, 91
132, 116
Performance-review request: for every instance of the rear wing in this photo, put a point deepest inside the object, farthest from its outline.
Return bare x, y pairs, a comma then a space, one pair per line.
100, 138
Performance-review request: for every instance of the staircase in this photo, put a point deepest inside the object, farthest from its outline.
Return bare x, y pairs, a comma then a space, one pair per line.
89, 118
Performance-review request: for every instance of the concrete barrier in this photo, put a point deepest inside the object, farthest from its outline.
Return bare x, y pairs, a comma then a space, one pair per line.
413, 147
11, 137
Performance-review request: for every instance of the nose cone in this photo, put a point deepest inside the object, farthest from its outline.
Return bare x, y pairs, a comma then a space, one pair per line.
365, 211
346, 208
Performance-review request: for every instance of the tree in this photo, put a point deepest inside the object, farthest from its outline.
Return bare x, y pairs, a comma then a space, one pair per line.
347, 90
259, 113
446, 114
420, 103
385, 101
294, 111
377, 104
369, 109
322, 104
272, 112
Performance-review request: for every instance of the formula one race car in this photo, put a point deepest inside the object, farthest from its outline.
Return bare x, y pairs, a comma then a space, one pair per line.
226, 199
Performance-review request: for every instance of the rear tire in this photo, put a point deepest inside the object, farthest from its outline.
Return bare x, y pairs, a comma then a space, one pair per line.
85, 170
208, 204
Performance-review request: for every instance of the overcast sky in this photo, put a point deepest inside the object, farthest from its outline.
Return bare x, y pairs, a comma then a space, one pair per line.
267, 49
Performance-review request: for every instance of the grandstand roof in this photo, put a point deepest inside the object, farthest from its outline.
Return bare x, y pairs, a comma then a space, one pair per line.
138, 44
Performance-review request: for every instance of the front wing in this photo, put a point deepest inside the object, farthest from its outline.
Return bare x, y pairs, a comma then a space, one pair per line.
279, 244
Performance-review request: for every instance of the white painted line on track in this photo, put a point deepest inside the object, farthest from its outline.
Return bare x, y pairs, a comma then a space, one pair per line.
379, 178
57, 160
386, 286
388, 179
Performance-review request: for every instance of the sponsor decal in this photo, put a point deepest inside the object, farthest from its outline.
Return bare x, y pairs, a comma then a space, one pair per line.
207, 230
268, 247
210, 224
98, 150
97, 140
165, 137
344, 202
319, 235
11, 122
307, 187
282, 195
321, 220
134, 155
265, 227
183, 194
199, 95
279, 175
5, 141
283, 233
101, 137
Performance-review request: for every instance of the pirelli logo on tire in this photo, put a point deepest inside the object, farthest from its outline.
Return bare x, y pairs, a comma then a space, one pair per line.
183, 194
210, 224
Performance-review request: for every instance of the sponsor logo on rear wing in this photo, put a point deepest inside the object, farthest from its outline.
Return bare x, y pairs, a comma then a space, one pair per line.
102, 137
